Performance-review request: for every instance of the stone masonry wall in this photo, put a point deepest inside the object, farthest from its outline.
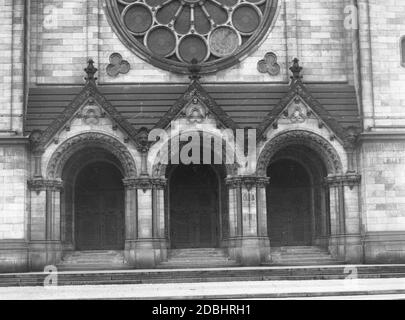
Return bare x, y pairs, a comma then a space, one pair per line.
13, 198
383, 186
65, 33
11, 66
387, 21
13, 157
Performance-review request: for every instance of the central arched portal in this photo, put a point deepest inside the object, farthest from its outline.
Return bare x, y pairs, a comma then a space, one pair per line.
194, 206
289, 204
99, 208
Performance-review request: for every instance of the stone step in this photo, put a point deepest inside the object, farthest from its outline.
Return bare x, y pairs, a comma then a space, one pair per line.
308, 254
228, 274
93, 260
197, 258
295, 251
294, 256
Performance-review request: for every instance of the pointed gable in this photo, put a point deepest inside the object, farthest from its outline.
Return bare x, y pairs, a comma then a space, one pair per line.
298, 93
194, 100
89, 94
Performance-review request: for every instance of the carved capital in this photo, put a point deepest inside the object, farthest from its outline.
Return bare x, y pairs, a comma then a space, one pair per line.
350, 180
248, 182
145, 183
39, 185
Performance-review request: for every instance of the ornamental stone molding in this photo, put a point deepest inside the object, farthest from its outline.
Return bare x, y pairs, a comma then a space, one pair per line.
170, 34
315, 142
247, 181
44, 185
145, 183
350, 180
87, 140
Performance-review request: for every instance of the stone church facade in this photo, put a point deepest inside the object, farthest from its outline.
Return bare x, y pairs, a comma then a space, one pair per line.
317, 82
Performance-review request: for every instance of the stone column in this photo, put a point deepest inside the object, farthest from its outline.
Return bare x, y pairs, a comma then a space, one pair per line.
146, 243
249, 243
345, 242
45, 246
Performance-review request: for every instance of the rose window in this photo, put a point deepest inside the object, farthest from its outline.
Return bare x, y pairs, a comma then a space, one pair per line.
172, 33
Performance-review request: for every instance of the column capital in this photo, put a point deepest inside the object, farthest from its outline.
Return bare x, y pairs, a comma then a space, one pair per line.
247, 181
145, 183
44, 185
350, 180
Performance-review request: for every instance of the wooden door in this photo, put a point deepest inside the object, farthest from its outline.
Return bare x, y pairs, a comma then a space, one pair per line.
194, 221
289, 205
99, 209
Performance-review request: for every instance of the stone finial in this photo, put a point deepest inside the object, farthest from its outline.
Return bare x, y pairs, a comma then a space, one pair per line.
296, 70
194, 70
91, 70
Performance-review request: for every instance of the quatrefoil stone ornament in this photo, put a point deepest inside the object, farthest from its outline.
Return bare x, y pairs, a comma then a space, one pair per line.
269, 65
117, 65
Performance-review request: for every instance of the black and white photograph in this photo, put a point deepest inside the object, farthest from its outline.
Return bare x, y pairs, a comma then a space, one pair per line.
176, 151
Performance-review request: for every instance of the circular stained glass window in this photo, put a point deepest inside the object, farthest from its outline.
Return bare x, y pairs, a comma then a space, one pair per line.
171, 33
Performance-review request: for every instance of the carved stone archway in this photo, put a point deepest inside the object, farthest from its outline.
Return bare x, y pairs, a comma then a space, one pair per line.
323, 148
159, 169
318, 216
70, 147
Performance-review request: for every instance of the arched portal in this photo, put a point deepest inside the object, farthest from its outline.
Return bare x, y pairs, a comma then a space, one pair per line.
99, 208
73, 163
289, 204
194, 206
297, 199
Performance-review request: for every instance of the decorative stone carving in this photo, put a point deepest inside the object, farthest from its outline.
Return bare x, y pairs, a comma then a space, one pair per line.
247, 181
269, 65
297, 112
351, 138
195, 112
169, 34
142, 139
296, 70
315, 142
145, 183
350, 180
196, 92
35, 139
39, 185
117, 65
86, 140
91, 114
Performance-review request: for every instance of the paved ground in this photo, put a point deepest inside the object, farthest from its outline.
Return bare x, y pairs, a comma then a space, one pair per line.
337, 289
